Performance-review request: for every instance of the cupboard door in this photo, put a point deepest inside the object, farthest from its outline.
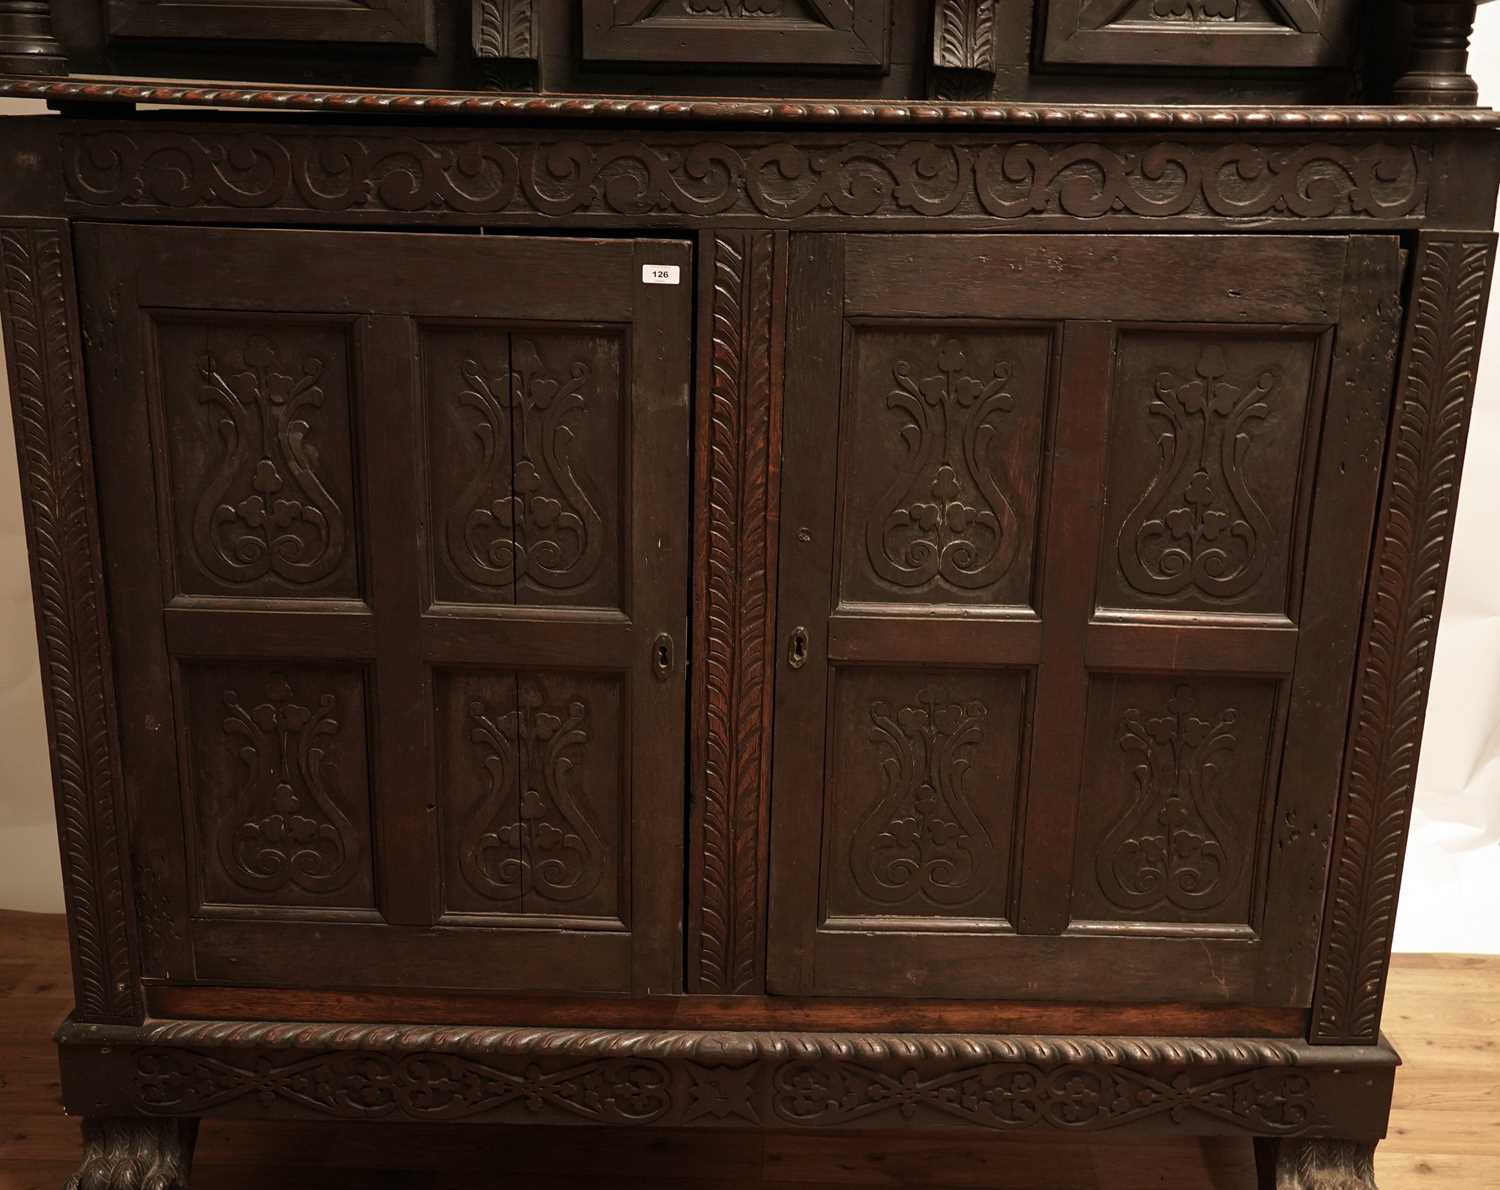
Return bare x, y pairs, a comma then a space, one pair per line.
396, 535
1073, 532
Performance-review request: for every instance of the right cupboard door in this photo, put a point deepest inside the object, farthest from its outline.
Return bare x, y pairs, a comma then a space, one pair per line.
1074, 531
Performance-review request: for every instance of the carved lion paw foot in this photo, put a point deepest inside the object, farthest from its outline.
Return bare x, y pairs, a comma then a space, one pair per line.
135, 1155
1316, 1165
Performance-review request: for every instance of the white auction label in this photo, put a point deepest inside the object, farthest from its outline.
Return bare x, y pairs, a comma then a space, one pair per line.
661, 274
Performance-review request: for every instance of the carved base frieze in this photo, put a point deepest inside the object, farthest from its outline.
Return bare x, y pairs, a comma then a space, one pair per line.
777, 1081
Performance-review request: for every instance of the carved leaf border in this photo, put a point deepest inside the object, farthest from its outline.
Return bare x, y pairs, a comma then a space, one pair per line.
57, 486
1433, 404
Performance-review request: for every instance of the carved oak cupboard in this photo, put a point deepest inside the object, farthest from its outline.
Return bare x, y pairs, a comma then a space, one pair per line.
891, 589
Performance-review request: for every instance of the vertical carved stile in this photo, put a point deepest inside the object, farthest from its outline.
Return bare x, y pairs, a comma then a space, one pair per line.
963, 49
1415, 535
739, 449
505, 29
57, 487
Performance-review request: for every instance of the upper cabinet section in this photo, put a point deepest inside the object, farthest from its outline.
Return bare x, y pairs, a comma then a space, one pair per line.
396, 23
816, 33
1200, 33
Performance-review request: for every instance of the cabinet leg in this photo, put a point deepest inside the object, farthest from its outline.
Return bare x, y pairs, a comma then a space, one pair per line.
1315, 1164
135, 1154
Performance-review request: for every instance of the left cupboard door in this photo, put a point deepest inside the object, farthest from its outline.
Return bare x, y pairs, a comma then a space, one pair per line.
396, 539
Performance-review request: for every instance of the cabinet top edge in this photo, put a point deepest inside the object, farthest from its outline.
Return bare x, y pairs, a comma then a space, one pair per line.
283, 98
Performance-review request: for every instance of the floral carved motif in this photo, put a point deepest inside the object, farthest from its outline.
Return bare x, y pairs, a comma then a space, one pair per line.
1195, 10
1172, 844
946, 519
736, 8
530, 832
1002, 177
287, 827
922, 838
431, 1086
543, 529
1199, 525
1021, 1096
265, 510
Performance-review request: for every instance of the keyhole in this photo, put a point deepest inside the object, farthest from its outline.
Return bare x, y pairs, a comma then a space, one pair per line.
661, 660
796, 653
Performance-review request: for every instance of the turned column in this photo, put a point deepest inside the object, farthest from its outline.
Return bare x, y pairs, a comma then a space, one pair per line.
26, 42
1438, 72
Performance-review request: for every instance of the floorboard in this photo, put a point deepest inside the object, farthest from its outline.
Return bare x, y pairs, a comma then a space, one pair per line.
1443, 1015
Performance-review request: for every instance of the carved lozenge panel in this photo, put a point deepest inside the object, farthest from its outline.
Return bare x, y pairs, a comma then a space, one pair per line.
279, 780
922, 793
532, 793
1177, 775
526, 465
942, 471
255, 419
1210, 444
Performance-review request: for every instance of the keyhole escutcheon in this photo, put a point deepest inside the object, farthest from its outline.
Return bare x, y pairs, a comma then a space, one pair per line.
663, 658
796, 649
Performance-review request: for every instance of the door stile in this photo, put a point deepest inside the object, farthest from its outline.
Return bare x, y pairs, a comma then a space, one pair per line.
1070, 554
405, 824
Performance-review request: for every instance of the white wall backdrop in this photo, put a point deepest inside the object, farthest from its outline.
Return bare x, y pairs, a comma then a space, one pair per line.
1451, 894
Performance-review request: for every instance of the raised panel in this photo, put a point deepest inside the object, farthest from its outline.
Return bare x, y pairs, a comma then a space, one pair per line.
922, 790
753, 32
526, 465
408, 23
1209, 455
1176, 780
1224, 33
277, 776
532, 793
254, 420
942, 464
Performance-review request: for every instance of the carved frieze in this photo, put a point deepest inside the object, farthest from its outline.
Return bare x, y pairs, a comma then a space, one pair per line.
467, 176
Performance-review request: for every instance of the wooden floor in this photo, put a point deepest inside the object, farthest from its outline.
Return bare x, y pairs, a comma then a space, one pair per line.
1444, 1016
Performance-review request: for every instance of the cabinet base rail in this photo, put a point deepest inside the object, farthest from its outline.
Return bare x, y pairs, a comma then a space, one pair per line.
783, 1081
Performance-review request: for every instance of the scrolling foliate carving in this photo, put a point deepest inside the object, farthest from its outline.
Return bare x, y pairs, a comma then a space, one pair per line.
286, 826
530, 833
57, 495
1173, 844
1198, 525
265, 510
999, 177
546, 530
922, 838
946, 519
1415, 534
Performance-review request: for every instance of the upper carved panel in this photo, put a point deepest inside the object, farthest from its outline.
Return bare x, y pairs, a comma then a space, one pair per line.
531, 793
755, 32
1175, 790
923, 784
1220, 33
526, 437
279, 776
1207, 466
810, 179
260, 475
955, 420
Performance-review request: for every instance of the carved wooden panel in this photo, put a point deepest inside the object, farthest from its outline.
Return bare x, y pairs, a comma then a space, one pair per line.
922, 786
964, 48
756, 32
1176, 779
278, 778
1208, 455
256, 421
526, 434
405, 23
1220, 33
944, 453
532, 793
